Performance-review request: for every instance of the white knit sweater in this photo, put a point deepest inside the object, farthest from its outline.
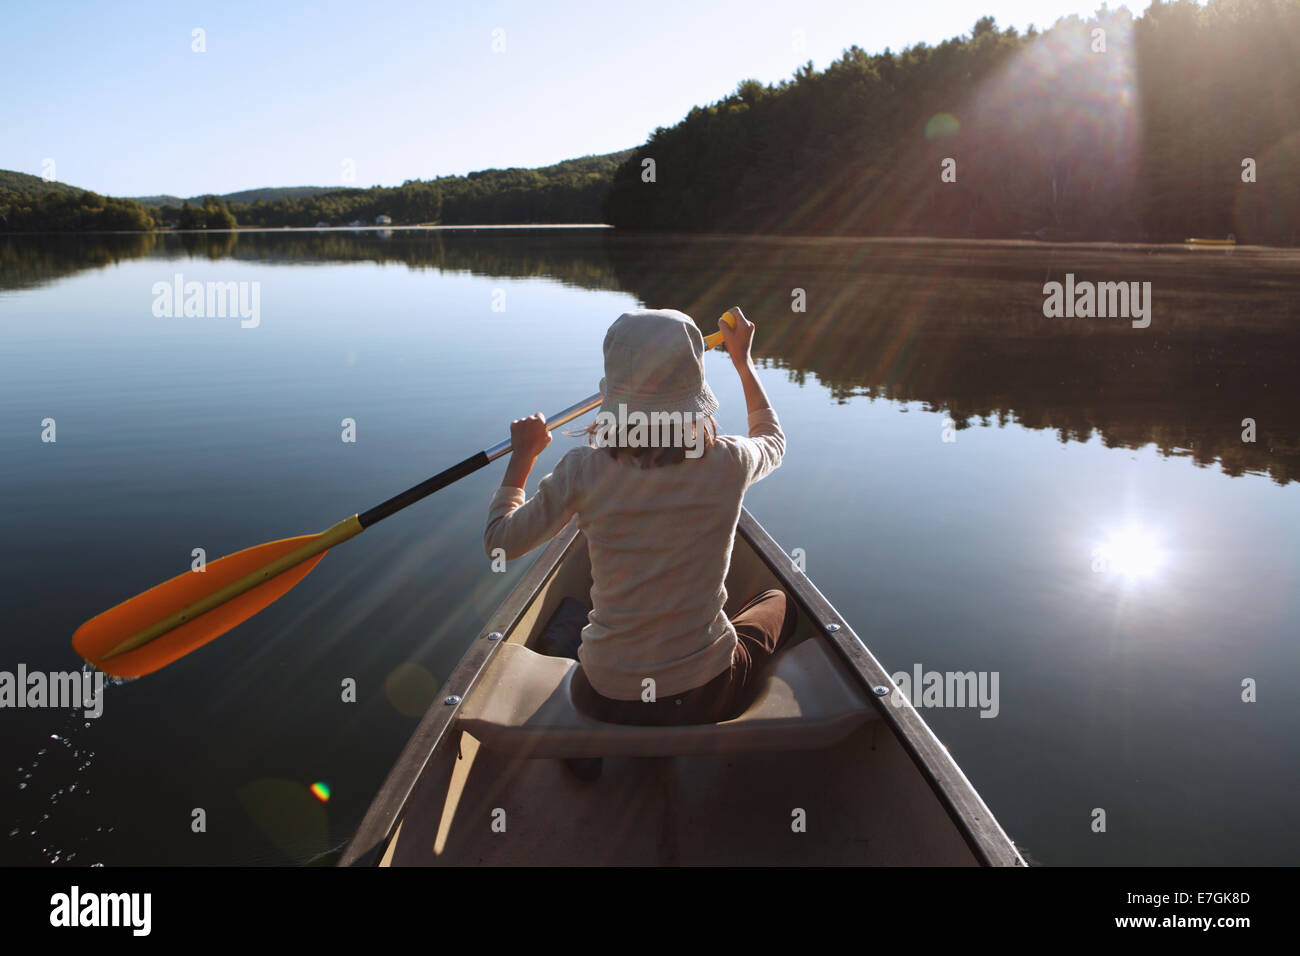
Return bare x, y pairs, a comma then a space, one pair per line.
660, 540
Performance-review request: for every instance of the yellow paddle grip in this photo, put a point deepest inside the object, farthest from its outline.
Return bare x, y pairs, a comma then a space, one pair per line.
714, 340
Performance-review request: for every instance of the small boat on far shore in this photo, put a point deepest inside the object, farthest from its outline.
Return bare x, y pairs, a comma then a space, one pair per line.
830, 764
1211, 243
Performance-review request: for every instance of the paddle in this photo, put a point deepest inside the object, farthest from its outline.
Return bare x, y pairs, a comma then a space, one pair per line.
149, 631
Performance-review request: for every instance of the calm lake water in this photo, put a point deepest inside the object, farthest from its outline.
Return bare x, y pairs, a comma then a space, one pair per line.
1067, 503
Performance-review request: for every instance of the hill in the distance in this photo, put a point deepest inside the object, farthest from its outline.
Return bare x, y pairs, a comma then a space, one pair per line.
27, 185
580, 165
266, 194
565, 192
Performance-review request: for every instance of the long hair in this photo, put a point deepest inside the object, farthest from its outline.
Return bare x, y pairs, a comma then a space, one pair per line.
666, 452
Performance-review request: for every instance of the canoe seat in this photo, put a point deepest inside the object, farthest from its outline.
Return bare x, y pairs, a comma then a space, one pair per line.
523, 705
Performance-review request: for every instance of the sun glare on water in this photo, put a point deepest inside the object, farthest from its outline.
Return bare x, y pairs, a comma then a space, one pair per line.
1133, 553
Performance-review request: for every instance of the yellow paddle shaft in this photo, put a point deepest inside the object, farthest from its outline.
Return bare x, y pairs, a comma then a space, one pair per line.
341, 532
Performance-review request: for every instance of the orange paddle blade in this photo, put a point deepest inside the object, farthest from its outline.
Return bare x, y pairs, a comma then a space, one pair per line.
101, 634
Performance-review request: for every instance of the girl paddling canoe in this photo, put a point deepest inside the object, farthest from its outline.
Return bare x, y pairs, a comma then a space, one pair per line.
657, 493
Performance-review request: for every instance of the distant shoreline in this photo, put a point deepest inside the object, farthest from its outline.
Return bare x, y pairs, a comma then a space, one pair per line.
757, 238
426, 228
239, 229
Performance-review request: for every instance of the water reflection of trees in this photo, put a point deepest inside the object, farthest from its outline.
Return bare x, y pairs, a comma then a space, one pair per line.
572, 257
30, 261
959, 328
954, 326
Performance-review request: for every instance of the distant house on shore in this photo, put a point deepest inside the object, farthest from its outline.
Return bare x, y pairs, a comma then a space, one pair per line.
383, 220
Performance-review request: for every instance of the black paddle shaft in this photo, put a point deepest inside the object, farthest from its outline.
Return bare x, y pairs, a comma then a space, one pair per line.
467, 467
425, 488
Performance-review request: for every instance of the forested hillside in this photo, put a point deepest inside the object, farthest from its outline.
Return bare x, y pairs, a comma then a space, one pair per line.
266, 194
24, 184
571, 191
59, 208
1049, 136
568, 192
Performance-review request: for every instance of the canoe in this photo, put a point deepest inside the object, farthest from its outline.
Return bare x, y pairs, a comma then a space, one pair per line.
1210, 243
830, 764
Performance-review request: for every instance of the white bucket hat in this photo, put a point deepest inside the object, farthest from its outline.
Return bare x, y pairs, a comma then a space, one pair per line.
654, 362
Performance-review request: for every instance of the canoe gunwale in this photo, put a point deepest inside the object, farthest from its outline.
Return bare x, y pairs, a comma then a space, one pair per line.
979, 828
431, 735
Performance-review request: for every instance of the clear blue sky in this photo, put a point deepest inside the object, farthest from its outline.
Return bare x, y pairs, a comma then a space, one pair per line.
286, 91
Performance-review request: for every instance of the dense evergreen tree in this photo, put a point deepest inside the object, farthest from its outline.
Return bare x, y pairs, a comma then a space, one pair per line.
212, 214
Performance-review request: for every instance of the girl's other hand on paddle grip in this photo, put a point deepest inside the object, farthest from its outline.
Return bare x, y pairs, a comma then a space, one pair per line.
529, 436
739, 339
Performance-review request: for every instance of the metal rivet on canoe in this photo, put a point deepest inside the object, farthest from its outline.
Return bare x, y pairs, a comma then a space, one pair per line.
450, 701
881, 690
494, 636
832, 628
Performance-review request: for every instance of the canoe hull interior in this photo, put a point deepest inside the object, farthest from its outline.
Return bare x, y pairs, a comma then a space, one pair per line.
858, 802
885, 794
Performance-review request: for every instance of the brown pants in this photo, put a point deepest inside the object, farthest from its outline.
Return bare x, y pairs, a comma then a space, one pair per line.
763, 627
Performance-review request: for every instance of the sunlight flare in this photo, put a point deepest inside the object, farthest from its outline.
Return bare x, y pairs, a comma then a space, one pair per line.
1133, 552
